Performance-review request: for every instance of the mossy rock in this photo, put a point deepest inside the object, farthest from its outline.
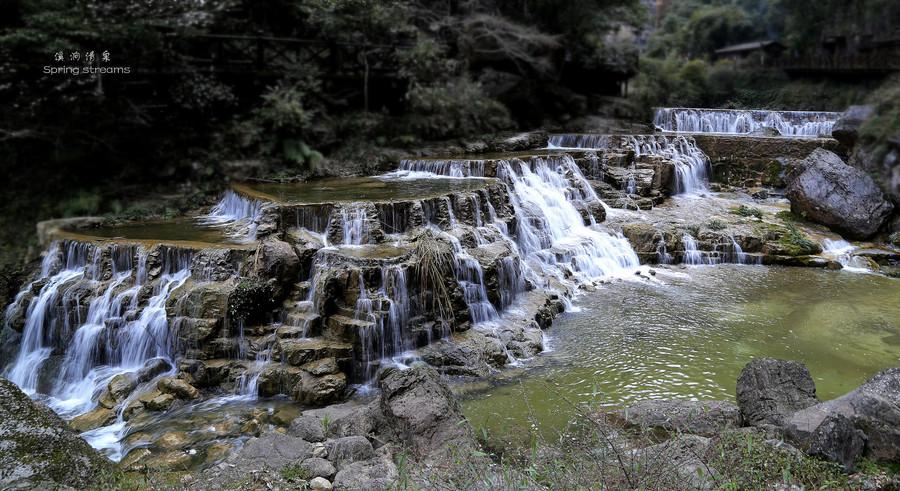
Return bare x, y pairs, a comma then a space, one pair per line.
39, 449
251, 300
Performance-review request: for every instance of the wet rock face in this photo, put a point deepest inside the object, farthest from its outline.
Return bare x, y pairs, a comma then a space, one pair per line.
832, 193
769, 390
276, 260
39, 450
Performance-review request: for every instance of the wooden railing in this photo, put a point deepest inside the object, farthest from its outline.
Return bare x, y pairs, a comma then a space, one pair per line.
858, 63
265, 54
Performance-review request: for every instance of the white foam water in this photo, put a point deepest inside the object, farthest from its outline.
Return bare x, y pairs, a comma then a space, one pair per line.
239, 214
736, 122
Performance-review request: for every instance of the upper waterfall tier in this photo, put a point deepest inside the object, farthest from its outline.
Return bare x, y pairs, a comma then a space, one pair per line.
357, 189
691, 165
730, 121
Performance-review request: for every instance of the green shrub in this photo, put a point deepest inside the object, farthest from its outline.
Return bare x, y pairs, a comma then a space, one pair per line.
886, 121
716, 224
294, 473
456, 108
797, 243
83, 203
747, 211
894, 239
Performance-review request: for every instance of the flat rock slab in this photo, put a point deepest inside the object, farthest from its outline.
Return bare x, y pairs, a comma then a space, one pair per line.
272, 451
704, 418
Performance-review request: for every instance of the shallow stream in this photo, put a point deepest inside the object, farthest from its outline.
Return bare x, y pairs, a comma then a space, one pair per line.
689, 337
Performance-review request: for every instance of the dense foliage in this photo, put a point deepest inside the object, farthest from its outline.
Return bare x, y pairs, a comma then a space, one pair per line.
337, 74
680, 67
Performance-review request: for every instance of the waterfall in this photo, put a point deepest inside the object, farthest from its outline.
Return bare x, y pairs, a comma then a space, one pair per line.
470, 277
731, 252
788, 123
42, 320
449, 168
549, 228
693, 255
691, 164
247, 385
353, 225
104, 343
662, 255
842, 251
578, 141
387, 313
239, 214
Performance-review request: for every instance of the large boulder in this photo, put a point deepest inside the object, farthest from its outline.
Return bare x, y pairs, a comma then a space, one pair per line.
38, 450
873, 407
704, 418
846, 129
768, 390
421, 412
842, 197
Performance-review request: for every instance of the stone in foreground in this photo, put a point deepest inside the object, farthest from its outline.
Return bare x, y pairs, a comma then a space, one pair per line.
874, 408
704, 418
769, 390
38, 450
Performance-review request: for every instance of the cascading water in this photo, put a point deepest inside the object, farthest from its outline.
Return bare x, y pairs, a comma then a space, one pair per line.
387, 313
691, 164
238, 213
449, 168
726, 251
104, 344
42, 318
353, 225
842, 252
470, 277
579, 141
788, 123
692, 254
550, 231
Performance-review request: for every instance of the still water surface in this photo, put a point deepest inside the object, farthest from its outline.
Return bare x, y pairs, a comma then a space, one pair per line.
690, 336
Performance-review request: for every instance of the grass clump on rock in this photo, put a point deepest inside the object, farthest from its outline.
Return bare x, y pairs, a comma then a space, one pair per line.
797, 243
433, 266
747, 211
716, 224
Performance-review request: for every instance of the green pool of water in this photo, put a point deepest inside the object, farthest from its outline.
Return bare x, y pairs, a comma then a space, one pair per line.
179, 231
351, 189
689, 337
